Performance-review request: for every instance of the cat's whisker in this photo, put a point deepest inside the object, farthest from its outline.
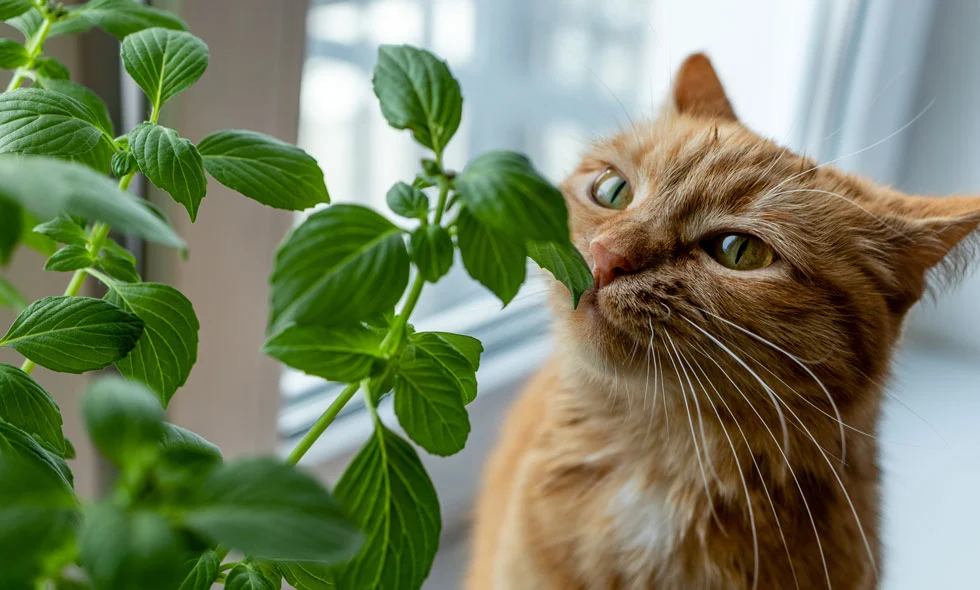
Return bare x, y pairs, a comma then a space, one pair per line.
871, 214
922, 112
741, 474
694, 438
772, 394
792, 357
789, 467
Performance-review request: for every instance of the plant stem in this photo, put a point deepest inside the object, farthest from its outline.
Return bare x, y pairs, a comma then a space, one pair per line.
34, 48
98, 235
325, 420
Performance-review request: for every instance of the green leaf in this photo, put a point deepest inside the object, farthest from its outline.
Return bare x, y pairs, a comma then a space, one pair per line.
388, 494
307, 576
26, 405
98, 158
96, 112
504, 191
14, 441
122, 268
168, 349
129, 550
265, 169
204, 572
11, 228
63, 229
73, 334
120, 18
39, 121
344, 353
246, 576
123, 163
124, 420
271, 510
71, 257
12, 54
495, 259
457, 355
408, 201
174, 436
11, 297
164, 62
37, 514
418, 92
429, 405
171, 162
565, 263
52, 69
432, 251
40, 244
50, 187
341, 265
11, 8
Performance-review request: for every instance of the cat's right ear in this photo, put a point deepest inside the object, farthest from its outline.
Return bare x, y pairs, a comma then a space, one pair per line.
697, 91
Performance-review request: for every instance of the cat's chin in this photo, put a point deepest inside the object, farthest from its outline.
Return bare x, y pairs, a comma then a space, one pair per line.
602, 331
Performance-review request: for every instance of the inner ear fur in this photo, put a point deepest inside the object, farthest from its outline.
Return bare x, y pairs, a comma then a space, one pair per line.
697, 91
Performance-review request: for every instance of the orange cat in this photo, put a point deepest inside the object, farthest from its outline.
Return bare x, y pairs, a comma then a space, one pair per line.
709, 419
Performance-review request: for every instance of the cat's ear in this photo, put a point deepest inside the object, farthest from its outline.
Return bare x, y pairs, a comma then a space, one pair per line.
697, 90
929, 232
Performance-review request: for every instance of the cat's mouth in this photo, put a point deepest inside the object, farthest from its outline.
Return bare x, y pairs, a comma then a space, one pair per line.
626, 306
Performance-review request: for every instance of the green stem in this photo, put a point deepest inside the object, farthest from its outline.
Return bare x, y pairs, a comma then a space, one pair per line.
325, 420
34, 48
98, 235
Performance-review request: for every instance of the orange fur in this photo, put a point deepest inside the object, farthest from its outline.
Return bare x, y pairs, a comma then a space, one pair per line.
702, 427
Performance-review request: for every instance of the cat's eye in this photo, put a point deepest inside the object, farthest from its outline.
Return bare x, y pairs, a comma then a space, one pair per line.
611, 190
739, 251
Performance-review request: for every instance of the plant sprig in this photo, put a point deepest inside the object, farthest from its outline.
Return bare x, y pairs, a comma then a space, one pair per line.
178, 509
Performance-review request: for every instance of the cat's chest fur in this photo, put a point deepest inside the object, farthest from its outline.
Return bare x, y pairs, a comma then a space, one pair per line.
642, 526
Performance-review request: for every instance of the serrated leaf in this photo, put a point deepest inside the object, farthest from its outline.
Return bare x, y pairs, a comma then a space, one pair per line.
98, 158
418, 92
271, 510
63, 229
96, 112
118, 267
11, 8
12, 54
71, 257
457, 355
26, 405
120, 18
387, 493
246, 576
73, 334
265, 169
11, 228
343, 264
495, 259
164, 62
504, 191
124, 420
129, 550
408, 201
14, 441
432, 251
565, 263
203, 573
168, 349
344, 353
307, 576
429, 405
37, 513
10, 297
39, 121
50, 187
171, 162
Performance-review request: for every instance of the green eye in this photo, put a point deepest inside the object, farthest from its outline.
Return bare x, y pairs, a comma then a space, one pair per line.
611, 190
740, 251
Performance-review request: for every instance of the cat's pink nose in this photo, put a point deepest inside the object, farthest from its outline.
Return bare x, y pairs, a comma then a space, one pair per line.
607, 263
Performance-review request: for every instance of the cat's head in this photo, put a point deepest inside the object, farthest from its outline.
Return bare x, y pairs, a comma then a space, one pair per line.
707, 240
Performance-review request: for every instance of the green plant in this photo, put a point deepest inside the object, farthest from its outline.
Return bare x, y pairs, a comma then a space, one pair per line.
177, 509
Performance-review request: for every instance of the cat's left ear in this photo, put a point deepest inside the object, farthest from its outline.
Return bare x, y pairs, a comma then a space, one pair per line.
928, 231
697, 91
